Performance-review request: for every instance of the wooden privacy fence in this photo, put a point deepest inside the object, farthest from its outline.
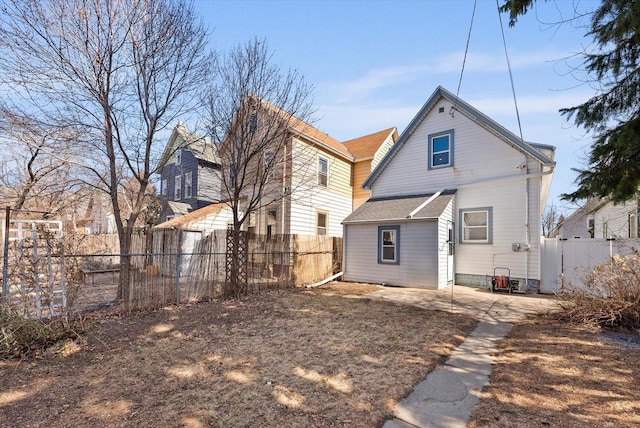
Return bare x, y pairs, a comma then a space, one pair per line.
566, 262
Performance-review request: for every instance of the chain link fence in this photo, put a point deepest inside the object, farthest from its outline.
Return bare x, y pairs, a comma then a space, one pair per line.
44, 282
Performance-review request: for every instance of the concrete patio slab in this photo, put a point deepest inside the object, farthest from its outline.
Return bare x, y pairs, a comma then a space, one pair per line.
449, 393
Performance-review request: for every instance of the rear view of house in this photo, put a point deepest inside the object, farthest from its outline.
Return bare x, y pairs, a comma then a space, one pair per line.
455, 198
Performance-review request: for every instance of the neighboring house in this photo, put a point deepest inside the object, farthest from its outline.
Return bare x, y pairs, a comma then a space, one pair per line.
189, 174
368, 151
581, 223
457, 196
94, 214
312, 188
616, 220
207, 219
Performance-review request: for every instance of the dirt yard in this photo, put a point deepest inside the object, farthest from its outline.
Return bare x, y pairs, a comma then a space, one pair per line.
296, 358
548, 374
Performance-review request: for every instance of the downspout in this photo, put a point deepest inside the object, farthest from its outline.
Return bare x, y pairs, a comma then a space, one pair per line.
284, 187
526, 225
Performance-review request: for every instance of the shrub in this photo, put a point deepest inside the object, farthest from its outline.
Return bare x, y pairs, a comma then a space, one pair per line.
21, 337
610, 296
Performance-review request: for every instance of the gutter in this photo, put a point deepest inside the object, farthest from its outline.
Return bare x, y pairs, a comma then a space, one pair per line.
395, 220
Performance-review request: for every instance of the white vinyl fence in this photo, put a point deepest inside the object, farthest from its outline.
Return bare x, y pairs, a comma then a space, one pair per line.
566, 262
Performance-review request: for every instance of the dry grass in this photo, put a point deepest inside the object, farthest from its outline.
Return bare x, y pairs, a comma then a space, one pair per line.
552, 374
325, 357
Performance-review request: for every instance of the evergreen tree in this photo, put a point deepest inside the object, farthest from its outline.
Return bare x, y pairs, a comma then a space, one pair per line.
613, 114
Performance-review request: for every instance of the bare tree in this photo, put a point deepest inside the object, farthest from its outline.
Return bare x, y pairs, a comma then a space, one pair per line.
119, 73
36, 170
551, 221
254, 110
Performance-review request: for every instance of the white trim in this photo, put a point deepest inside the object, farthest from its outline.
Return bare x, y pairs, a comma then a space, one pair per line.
424, 204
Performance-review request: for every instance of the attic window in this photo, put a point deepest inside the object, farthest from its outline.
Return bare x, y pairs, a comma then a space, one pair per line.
178, 157
441, 150
441, 110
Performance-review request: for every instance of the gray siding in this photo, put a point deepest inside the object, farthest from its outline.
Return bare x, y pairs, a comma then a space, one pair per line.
418, 255
205, 181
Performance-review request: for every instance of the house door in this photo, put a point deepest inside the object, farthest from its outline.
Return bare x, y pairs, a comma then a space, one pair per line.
451, 242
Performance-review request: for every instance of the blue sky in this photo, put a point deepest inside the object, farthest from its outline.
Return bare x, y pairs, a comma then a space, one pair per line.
374, 63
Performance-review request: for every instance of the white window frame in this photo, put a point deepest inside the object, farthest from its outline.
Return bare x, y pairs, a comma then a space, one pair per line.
177, 189
178, 156
164, 184
271, 227
188, 185
384, 245
322, 230
633, 224
432, 152
488, 225
323, 176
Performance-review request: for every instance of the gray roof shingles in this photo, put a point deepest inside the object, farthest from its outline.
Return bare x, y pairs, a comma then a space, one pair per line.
396, 208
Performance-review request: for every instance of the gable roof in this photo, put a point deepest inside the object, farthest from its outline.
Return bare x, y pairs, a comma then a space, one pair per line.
178, 208
416, 207
307, 131
365, 147
201, 147
472, 113
188, 218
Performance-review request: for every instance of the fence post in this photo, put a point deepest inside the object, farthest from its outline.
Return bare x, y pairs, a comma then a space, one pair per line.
178, 258
5, 256
282, 269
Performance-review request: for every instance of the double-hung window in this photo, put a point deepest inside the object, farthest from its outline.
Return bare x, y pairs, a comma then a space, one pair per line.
476, 225
188, 186
253, 122
441, 150
178, 188
388, 244
321, 223
323, 171
269, 164
164, 185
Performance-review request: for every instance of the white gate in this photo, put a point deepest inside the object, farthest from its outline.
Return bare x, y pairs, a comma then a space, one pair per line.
566, 262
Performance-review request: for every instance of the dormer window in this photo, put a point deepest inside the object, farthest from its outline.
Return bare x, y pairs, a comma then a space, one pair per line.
441, 150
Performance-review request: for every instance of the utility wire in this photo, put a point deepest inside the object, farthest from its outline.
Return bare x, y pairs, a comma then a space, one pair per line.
464, 60
506, 54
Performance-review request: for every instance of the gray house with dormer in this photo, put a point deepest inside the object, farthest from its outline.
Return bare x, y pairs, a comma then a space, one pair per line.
189, 174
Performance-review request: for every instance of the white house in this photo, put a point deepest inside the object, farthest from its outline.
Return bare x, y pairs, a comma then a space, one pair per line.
457, 196
616, 220
581, 223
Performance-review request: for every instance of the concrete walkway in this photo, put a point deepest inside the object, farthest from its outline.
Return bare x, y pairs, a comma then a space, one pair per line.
447, 396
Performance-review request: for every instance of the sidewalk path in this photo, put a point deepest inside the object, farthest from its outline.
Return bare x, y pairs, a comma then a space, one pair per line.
447, 396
